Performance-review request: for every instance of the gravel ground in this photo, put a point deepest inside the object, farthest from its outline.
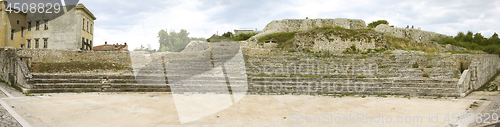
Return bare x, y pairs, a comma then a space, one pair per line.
6, 120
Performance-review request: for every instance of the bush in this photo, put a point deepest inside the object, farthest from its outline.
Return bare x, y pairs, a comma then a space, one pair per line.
243, 36
376, 23
283, 39
425, 75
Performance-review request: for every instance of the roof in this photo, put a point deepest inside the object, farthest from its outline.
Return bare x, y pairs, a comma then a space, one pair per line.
81, 6
107, 47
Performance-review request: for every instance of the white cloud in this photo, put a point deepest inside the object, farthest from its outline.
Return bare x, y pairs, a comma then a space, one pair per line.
137, 22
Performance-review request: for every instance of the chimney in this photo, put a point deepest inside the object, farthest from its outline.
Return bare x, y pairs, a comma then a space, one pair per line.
125, 43
105, 43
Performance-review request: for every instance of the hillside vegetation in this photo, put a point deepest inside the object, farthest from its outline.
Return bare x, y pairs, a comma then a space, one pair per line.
476, 41
285, 39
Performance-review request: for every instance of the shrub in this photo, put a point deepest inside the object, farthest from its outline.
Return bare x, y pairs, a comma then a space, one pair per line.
376, 23
243, 36
283, 39
415, 65
425, 74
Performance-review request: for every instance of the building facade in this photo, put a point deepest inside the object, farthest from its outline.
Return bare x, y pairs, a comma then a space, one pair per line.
70, 29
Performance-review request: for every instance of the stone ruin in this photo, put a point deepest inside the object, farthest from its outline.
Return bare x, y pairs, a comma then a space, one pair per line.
217, 67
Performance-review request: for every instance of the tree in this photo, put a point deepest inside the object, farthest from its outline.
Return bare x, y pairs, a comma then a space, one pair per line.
478, 39
468, 37
376, 23
227, 34
173, 41
460, 36
494, 40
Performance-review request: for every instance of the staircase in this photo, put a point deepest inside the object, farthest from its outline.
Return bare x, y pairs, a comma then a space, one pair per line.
219, 69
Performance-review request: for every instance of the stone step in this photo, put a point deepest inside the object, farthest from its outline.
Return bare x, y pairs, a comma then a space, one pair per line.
130, 85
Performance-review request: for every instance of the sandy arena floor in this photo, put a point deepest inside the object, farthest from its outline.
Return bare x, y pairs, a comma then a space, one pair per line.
159, 109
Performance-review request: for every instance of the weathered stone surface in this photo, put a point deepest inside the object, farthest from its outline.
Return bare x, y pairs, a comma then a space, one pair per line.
422, 73
291, 25
338, 40
59, 56
410, 33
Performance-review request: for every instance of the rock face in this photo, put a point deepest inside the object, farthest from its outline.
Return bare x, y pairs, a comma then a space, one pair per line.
410, 33
290, 25
339, 40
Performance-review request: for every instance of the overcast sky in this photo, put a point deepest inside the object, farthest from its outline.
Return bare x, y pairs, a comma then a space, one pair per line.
138, 21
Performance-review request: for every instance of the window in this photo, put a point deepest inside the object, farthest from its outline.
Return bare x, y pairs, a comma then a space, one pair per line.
37, 27
29, 26
87, 26
12, 32
28, 43
18, 22
22, 31
46, 25
22, 45
45, 43
91, 28
37, 43
83, 42
83, 27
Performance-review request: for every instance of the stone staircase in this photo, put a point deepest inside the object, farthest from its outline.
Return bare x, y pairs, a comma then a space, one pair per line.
203, 71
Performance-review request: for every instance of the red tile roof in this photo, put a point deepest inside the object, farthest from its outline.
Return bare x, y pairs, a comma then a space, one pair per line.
114, 47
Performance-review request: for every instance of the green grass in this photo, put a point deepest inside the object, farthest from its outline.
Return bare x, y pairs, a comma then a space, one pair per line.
474, 105
407, 44
283, 39
425, 74
415, 65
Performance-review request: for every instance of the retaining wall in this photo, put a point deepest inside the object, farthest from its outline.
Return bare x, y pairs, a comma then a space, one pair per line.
59, 56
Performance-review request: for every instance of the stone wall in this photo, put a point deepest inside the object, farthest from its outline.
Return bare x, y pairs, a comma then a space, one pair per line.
410, 33
8, 64
339, 40
59, 56
482, 68
373, 86
291, 25
401, 72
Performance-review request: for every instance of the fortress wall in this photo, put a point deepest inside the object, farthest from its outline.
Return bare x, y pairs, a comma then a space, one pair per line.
319, 41
410, 33
59, 56
291, 25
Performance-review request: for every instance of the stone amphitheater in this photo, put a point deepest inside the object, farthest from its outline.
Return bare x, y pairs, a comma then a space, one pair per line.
207, 72
247, 67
